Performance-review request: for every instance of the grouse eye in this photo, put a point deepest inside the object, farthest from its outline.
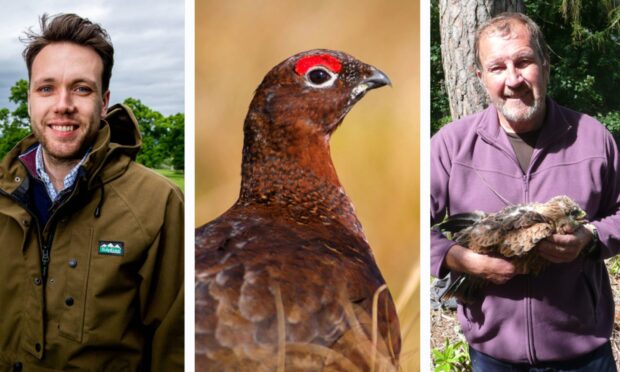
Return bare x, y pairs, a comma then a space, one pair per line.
320, 77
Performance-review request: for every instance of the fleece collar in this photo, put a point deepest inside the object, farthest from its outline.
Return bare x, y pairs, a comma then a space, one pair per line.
555, 127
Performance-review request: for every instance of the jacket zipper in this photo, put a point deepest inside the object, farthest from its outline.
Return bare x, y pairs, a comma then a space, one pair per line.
45, 253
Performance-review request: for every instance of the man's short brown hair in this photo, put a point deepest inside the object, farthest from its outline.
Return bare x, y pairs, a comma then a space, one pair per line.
74, 29
502, 23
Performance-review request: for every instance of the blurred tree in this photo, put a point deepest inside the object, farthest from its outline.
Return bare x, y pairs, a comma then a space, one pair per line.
19, 96
14, 125
175, 140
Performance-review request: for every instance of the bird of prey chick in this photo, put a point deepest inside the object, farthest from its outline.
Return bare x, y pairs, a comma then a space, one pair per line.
285, 278
512, 233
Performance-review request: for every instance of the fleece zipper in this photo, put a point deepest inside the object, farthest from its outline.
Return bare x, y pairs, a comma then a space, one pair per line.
529, 321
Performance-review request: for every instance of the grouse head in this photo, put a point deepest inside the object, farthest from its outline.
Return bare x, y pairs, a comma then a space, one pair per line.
295, 109
316, 87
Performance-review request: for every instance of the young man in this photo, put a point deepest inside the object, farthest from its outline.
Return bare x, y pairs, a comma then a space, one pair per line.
527, 148
92, 243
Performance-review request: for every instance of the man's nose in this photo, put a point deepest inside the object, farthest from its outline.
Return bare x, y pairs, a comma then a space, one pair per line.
514, 77
65, 104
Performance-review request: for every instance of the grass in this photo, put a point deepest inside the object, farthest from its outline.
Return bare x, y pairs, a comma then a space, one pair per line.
613, 265
178, 177
359, 342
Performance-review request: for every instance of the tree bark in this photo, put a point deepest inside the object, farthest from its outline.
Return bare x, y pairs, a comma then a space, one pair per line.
459, 20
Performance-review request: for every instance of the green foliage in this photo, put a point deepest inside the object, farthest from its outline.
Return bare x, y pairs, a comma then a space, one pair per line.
19, 95
612, 121
162, 137
14, 125
585, 55
174, 140
613, 265
452, 358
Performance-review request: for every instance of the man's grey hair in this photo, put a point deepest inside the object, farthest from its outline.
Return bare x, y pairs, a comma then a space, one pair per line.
502, 24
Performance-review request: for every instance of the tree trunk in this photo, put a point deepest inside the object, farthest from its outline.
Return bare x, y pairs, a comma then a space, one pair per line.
459, 20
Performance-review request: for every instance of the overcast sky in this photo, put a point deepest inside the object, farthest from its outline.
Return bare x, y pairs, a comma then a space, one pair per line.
147, 38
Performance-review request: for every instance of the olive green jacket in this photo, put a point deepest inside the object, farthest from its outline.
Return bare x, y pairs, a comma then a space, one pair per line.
113, 296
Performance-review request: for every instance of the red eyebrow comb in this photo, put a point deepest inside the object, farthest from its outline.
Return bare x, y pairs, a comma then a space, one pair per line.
329, 61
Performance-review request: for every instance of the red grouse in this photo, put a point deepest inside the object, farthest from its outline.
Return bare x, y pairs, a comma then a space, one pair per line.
285, 278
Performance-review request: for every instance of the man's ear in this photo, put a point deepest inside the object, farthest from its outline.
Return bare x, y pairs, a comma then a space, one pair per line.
106, 101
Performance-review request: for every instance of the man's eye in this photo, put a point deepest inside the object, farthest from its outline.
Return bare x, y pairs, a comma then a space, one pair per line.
523, 63
83, 90
45, 89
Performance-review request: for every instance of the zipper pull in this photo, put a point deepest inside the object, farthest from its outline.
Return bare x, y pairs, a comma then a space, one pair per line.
45, 260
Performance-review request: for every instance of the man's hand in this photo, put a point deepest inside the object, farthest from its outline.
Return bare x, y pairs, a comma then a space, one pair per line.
496, 270
565, 248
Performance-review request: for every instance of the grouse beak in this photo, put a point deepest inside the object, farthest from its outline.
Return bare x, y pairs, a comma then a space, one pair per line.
375, 80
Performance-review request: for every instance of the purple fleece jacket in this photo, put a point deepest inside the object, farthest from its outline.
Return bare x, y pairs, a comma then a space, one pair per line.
568, 309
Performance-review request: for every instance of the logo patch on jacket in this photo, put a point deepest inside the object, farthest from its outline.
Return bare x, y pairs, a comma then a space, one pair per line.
111, 248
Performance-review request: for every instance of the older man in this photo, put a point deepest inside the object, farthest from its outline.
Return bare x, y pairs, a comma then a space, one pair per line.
527, 148
91, 242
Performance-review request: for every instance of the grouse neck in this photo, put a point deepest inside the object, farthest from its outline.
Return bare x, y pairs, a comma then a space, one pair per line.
292, 169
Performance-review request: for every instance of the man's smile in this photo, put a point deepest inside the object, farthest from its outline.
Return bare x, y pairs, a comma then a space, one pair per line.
63, 127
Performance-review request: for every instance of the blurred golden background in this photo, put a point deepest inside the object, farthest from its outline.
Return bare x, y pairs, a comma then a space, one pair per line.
376, 149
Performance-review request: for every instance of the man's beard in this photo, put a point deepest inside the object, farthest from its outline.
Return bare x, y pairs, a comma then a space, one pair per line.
517, 115
59, 156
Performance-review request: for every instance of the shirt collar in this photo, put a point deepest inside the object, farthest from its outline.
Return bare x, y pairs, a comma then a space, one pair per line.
69, 180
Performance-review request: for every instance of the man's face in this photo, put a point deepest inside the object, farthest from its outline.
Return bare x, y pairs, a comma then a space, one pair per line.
514, 77
65, 101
